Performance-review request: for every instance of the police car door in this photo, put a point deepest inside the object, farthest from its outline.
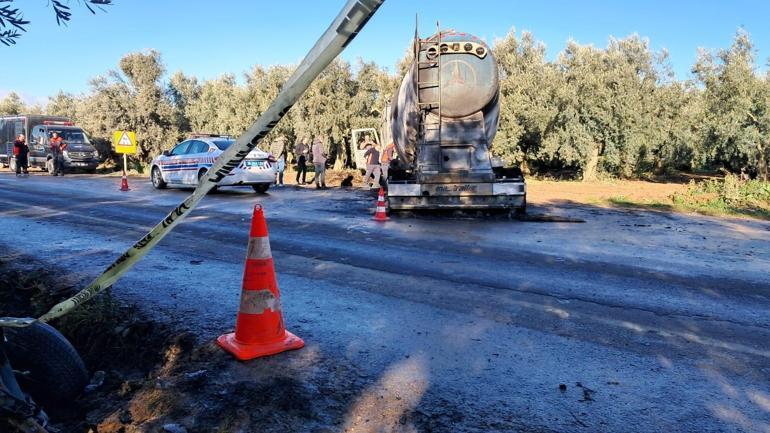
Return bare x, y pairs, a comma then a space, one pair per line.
172, 164
196, 154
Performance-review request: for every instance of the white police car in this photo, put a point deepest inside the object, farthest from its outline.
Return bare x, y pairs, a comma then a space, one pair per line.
189, 160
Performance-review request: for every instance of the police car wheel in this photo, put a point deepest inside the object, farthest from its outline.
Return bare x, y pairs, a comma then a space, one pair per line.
56, 373
203, 173
261, 188
157, 178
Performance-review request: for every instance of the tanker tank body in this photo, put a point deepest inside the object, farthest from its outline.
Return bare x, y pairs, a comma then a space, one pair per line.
443, 120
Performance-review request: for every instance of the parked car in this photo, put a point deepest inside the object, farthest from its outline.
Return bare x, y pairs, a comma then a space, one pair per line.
189, 160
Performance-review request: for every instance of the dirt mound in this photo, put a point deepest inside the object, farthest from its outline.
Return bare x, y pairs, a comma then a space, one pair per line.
116, 342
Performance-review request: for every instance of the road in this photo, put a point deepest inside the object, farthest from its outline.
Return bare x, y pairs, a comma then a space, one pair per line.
652, 321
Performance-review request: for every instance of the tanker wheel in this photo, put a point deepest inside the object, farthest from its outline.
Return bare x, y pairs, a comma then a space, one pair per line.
53, 372
520, 213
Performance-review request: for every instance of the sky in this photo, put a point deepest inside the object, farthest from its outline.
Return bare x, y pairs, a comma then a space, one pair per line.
211, 38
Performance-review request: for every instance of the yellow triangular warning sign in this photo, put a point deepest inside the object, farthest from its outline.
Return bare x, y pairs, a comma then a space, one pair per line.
125, 140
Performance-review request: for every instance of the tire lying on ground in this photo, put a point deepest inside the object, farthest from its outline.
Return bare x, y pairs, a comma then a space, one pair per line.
56, 373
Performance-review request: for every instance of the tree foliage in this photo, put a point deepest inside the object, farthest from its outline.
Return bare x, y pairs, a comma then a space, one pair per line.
736, 121
591, 112
12, 18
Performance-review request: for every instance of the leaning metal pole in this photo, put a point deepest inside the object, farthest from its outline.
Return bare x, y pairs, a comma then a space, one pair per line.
343, 29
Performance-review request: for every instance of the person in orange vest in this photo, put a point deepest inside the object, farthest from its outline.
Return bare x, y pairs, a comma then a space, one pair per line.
20, 153
387, 156
58, 146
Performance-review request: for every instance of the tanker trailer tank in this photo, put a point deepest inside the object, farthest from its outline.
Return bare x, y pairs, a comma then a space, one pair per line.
443, 120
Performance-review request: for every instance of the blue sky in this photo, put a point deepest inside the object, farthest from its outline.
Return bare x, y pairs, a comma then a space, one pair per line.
211, 38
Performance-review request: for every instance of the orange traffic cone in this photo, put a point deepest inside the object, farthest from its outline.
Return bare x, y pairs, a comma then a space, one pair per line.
124, 184
259, 327
380, 215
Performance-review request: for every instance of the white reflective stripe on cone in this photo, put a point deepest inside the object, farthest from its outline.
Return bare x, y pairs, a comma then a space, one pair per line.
258, 301
259, 248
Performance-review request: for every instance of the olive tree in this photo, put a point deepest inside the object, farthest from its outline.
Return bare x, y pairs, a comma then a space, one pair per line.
12, 20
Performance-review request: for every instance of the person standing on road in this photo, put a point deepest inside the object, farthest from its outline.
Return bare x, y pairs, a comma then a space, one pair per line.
387, 156
21, 154
319, 163
280, 167
301, 152
372, 156
58, 146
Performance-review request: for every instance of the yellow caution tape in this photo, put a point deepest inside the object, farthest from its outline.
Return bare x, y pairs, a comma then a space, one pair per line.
343, 29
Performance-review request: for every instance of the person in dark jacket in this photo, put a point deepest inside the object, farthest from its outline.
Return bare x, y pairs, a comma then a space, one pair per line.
58, 146
301, 153
372, 156
21, 153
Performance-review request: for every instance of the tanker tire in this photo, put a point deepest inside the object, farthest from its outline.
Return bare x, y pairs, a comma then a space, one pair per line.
520, 213
57, 374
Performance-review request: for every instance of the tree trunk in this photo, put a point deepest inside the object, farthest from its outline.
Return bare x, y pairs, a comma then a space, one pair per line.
762, 166
589, 173
658, 164
339, 155
524, 166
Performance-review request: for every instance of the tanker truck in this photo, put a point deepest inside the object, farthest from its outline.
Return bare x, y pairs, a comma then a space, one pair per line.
443, 120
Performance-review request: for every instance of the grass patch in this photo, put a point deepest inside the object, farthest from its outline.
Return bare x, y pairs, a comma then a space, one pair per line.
623, 201
728, 196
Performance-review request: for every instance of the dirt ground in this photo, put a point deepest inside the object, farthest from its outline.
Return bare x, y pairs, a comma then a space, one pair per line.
550, 192
596, 192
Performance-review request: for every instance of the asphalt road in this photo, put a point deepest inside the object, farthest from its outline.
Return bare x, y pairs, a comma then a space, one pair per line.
652, 321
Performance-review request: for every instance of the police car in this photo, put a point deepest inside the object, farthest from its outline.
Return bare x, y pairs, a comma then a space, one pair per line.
189, 160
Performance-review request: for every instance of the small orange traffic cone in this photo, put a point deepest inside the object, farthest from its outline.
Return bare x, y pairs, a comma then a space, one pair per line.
259, 327
124, 183
380, 215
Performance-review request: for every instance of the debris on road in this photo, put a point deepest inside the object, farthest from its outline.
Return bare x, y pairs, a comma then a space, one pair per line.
174, 428
588, 393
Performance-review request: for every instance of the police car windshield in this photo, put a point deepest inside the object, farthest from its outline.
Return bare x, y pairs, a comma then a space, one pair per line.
223, 144
69, 135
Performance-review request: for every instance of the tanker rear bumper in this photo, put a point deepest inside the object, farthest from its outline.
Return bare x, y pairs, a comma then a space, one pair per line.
486, 195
